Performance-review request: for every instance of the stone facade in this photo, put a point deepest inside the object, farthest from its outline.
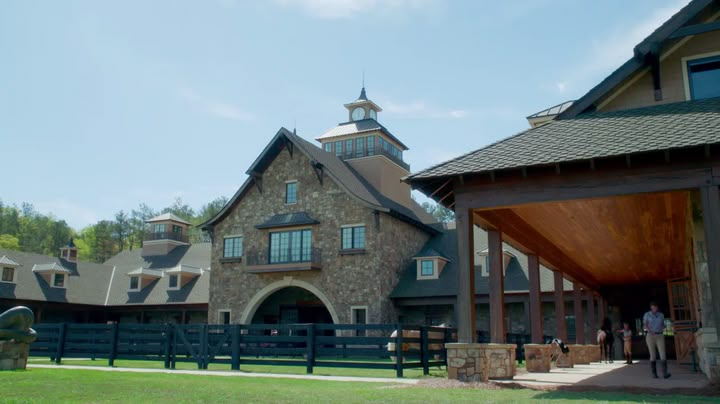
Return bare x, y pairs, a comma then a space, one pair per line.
538, 357
480, 362
364, 279
13, 355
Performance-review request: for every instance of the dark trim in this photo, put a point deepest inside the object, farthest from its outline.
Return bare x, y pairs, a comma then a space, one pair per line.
230, 260
695, 29
352, 251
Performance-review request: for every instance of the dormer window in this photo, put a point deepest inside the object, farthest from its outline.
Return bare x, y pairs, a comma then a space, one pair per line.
143, 277
485, 266
58, 280
55, 275
180, 275
427, 267
430, 264
134, 283
8, 275
291, 192
174, 282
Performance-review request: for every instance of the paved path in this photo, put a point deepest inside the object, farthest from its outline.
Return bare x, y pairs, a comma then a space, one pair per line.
230, 374
616, 374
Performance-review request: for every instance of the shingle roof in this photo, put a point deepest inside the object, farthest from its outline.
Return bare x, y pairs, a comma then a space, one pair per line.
167, 216
597, 135
196, 291
361, 126
516, 274
4, 260
51, 267
287, 219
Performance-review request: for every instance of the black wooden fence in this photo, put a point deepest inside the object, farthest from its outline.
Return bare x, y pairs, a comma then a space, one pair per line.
370, 346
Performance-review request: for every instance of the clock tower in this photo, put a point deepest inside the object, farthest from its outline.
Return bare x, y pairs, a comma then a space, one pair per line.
362, 108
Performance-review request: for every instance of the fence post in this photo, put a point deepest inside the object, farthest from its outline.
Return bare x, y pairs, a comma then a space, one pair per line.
204, 337
310, 348
235, 348
61, 343
113, 344
169, 334
173, 349
424, 348
399, 351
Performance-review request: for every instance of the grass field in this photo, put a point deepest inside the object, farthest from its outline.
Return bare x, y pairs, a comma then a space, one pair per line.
65, 385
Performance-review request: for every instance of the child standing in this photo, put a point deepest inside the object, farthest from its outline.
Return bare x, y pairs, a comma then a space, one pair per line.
627, 342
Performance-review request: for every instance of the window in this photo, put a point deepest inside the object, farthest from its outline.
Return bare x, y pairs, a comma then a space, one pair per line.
8, 274
177, 229
232, 247
290, 246
427, 268
328, 147
359, 316
224, 316
348, 148
58, 280
174, 282
290, 192
159, 228
353, 237
338, 148
134, 283
359, 146
704, 77
370, 145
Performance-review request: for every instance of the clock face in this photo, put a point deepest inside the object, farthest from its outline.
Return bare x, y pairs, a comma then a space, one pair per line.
358, 114
373, 114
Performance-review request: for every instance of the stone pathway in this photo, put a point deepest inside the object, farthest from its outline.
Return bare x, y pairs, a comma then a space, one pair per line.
230, 374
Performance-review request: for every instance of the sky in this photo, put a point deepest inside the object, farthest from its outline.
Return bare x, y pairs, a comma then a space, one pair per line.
107, 104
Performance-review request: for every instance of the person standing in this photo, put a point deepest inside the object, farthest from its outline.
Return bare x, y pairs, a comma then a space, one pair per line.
627, 342
654, 323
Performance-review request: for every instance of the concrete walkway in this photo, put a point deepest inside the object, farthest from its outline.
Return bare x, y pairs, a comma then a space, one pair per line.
615, 375
229, 374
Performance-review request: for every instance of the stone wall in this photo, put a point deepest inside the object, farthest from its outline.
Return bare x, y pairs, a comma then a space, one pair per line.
480, 362
364, 279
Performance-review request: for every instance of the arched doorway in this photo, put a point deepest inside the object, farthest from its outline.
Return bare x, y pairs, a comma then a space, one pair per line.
289, 301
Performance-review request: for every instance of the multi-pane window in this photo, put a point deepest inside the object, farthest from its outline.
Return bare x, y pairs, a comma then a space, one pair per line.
59, 280
359, 316
370, 145
328, 147
353, 237
177, 229
704, 77
291, 192
348, 148
134, 283
8, 274
290, 246
359, 146
427, 268
159, 228
224, 317
338, 148
233, 247
173, 281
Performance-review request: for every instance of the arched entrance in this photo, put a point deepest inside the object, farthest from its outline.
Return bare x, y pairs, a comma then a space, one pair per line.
289, 301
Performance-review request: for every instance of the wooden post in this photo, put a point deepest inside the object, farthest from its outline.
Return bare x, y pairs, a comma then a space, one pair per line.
536, 323
310, 349
602, 309
560, 307
424, 348
168, 345
399, 351
235, 348
710, 196
592, 319
579, 315
113, 344
465, 304
496, 287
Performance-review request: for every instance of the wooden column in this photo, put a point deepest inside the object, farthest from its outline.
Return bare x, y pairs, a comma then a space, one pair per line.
560, 307
536, 325
711, 222
465, 303
496, 287
592, 320
579, 315
602, 309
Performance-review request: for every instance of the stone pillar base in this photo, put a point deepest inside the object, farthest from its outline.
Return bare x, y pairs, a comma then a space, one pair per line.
538, 357
579, 354
593, 352
13, 355
563, 360
480, 362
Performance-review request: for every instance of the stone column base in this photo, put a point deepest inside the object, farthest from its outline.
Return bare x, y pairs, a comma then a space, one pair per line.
563, 360
538, 357
13, 355
593, 352
580, 354
480, 362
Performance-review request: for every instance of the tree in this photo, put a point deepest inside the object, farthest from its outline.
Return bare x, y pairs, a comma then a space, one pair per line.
9, 242
181, 210
122, 228
439, 212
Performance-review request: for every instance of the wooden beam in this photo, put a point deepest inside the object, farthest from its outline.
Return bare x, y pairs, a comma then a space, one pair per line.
579, 314
592, 319
695, 29
527, 239
496, 287
602, 309
465, 304
560, 307
536, 326
710, 197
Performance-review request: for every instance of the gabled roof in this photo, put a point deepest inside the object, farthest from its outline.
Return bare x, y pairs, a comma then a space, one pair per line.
145, 272
338, 170
51, 267
593, 135
639, 61
5, 261
287, 219
357, 127
166, 217
185, 269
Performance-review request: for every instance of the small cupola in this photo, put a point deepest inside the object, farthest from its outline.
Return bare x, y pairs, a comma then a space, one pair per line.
55, 275
69, 252
164, 233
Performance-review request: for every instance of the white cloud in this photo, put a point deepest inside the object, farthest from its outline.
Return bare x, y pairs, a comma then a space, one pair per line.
561, 86
419, 109
347, 8
215, 107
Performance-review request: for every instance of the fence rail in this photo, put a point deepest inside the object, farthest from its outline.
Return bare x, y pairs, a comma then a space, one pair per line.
372, 346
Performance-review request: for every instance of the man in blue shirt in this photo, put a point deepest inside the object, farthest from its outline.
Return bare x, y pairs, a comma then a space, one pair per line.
654, 324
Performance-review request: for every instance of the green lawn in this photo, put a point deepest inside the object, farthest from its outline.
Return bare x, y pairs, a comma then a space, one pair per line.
65, 385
